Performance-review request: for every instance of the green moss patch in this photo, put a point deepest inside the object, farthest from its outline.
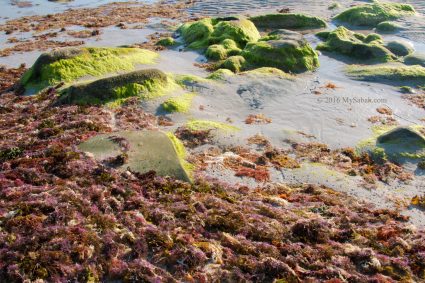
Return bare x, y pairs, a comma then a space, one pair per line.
356, 45
146, 84
282, 49
396, 73
180, 103
147, 151
288, 21
220, 74
268, 71
68, 65
375, 13
205, 125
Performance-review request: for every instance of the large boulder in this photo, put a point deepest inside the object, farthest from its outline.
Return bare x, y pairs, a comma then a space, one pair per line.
375, 13
355, 45
146, 84
282, 49
68, 65
288, 21
140, 151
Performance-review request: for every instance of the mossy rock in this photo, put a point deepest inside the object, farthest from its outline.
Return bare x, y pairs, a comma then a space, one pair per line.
235, 64
148, 150
399, 48
181, 104
70, 64
388, 27
220, 74
284, 50
227, 48
393, 73
355, 45
375, 13
146, 84
168, 41
402, 143
203, 33
288, 21
415, 59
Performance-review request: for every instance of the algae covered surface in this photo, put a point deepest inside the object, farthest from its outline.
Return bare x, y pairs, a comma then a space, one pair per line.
71, 64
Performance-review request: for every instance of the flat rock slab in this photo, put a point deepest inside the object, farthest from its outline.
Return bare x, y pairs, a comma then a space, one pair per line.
147, 151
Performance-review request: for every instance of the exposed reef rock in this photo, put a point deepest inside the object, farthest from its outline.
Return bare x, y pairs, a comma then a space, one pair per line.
288, 21
375, 13
282, 49
68, 65
237, 45
356, 45
206, 32
146, 84
145, 151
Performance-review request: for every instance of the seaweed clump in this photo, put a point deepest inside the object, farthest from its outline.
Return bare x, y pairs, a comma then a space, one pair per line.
64, 216
356, 45
375, 13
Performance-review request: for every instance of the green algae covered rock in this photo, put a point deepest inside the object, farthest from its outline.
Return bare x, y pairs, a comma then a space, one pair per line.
387, 27
400, 48
356, 45
146, 151
220, 74
70, 64
288, 21
415, 59
206, 32
168, 41
179, 104
395, 73
282, 49
227, 48
235, 64
146, 84
402, 143
375, 13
